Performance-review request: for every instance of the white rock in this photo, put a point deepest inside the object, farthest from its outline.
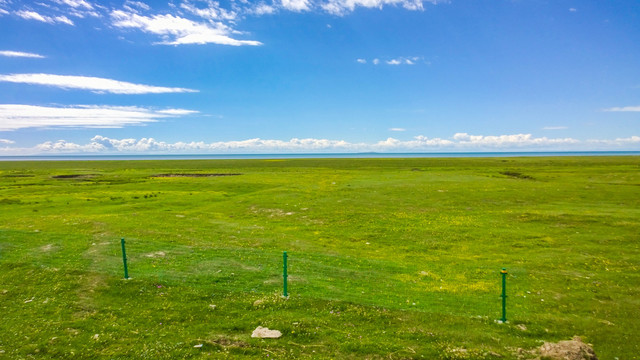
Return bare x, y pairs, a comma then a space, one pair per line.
265, 333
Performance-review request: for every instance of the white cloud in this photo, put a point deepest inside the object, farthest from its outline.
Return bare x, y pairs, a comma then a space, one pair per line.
136, 4
7, 141
213, 11
76, 3
343, 7
97, 85
10, 53
502, 141
4, 12
14, 117
295, 5
32, 15
623, 109
177, 30
177, 112
632, 140
397, 129
555, 128
395, 62
263, 9
404, 60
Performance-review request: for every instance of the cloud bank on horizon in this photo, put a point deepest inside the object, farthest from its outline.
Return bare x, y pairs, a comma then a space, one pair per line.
461, 142
409, 79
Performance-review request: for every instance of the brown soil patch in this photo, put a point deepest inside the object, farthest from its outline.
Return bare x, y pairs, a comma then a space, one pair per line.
155, 254
46, 248
226, 342
573, 349
195, 175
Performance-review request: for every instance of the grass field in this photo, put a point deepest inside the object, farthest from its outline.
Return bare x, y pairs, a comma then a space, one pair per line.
388, 258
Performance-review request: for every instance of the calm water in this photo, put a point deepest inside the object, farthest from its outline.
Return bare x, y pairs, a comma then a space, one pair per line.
315, 156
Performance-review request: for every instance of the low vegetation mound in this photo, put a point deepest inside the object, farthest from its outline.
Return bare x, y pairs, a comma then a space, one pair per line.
195, 175
72, 176
516, 175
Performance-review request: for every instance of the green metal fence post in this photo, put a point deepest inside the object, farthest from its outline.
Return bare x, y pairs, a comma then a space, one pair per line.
124, 260
284, 273
504, 295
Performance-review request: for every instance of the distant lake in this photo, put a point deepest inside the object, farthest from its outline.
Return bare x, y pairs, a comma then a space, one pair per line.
368, 155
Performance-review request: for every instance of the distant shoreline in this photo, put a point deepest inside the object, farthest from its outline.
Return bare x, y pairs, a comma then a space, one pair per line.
366, 155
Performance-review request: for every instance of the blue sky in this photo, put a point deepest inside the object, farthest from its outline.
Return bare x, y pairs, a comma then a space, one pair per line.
313, 76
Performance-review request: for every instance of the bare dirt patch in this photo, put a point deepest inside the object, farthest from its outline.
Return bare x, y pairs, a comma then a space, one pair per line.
155, 254
573, 349
46, 248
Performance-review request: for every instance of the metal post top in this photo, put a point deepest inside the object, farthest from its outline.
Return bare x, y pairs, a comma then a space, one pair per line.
503, 271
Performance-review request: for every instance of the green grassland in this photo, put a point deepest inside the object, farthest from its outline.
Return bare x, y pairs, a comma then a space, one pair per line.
388, 258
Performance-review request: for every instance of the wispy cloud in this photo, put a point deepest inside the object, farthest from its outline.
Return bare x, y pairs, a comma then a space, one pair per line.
555, 128
213, 11
97, 85
76, 3
7, 141
411, 60
176, 30
624, 109
343, 7
14, 117
10, 53
32, 15
197, 21
136, 5
397, 129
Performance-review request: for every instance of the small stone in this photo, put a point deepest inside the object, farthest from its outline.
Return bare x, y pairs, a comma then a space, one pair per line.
265, 333
212, 306
522, 327
96, 336
197, 346
258, 302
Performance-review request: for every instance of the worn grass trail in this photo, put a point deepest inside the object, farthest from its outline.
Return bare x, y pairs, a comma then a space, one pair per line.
388, 258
